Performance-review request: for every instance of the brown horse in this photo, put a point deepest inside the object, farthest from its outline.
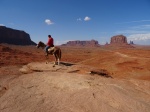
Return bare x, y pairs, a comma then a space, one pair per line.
56, 51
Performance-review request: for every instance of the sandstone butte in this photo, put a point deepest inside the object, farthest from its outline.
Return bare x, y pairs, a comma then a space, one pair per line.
15, 37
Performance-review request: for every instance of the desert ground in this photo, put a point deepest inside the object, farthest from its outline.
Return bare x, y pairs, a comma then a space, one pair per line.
88, 79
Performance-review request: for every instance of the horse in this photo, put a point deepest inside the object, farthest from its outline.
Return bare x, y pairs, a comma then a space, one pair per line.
56, 51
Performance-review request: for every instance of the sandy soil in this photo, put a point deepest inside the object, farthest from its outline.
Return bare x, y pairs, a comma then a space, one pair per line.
27, 84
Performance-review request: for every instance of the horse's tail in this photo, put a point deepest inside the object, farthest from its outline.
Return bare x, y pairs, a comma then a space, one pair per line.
59, 54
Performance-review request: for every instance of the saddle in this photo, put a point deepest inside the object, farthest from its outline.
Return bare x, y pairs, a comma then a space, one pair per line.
51, 50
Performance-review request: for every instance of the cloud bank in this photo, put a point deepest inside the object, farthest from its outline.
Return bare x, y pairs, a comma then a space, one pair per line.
139, 37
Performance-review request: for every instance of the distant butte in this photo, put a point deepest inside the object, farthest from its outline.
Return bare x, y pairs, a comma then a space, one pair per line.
86, 43
118, 39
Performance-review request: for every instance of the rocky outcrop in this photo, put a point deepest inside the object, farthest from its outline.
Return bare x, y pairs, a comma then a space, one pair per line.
118, 39
16, 37
131, 42
91, 43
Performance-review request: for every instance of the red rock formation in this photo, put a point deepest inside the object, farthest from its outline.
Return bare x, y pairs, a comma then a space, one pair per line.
92, 43
16, 37
118, 39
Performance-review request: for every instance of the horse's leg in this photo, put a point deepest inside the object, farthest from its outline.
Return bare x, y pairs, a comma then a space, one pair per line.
55, 60
59, 56
58, 61
46, 59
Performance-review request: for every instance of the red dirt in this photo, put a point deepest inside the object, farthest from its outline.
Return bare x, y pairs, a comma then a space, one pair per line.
40, 87
120, 62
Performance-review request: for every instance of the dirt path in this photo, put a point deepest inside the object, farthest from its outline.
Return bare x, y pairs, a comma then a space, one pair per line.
126, 56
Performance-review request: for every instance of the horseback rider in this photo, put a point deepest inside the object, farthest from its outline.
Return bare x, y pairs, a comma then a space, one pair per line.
49, 44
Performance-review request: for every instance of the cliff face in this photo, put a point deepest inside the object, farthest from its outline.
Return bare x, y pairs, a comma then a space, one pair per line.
118, 39
16, 37
92, 43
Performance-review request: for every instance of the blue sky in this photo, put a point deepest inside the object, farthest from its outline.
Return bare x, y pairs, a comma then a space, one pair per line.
78, 19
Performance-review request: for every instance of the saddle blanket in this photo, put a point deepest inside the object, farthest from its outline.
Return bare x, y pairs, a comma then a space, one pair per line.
51, 49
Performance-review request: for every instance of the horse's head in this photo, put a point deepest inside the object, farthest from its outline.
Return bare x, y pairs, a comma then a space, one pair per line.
40, 44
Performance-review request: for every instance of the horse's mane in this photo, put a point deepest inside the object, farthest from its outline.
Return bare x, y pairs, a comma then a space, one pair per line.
41, 42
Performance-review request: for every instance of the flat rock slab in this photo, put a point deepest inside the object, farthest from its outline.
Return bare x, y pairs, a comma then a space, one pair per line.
67, 92
43, 67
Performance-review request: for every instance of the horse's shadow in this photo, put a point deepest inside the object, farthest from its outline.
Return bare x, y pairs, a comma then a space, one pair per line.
66, 63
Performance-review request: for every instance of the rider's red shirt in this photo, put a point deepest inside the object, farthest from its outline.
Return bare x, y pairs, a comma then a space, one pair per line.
50, 42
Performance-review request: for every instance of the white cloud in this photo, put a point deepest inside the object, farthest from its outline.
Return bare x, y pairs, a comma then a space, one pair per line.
49, 22
141, 27
139, 21
137, 37
79, 19
131, 32
87, 18
145, 26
